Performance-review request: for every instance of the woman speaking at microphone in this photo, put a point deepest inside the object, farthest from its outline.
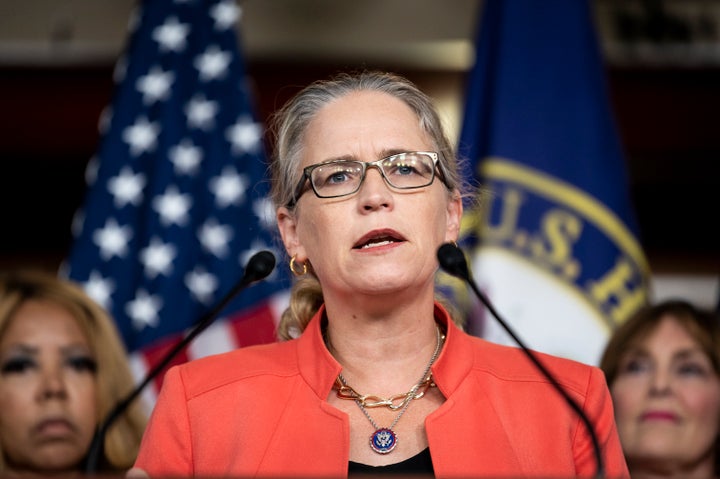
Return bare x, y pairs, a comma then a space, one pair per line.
373, 375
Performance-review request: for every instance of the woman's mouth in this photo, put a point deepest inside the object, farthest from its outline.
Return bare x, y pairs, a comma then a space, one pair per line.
375, 243
56, 427
659, 416
378, 238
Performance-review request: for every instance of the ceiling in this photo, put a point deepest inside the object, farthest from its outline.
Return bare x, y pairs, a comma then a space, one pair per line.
429, 34
422, 33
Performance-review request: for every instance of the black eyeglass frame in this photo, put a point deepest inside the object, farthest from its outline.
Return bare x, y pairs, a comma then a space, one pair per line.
307, 175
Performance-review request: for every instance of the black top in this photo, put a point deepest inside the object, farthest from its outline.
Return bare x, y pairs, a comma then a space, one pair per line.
418, 464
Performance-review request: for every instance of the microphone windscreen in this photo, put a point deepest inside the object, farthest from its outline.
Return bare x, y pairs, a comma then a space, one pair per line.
452, 260
260, 265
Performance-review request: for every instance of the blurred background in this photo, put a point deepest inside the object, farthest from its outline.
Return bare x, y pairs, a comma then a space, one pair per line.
663, 73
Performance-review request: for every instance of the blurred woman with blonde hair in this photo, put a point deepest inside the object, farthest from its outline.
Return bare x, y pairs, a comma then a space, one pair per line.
62, 369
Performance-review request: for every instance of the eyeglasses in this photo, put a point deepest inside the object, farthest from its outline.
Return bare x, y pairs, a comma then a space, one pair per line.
338, 178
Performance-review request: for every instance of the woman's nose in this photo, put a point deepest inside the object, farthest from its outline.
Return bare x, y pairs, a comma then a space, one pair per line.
374, 191
660, 383
52, 385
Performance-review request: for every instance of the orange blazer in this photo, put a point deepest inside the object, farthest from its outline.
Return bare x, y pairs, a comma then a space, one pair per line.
261, 411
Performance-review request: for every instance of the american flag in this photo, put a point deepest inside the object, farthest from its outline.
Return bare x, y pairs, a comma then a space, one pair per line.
177, 196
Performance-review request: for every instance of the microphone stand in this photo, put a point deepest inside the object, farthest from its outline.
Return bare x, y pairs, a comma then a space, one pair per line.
258, 267
452, 260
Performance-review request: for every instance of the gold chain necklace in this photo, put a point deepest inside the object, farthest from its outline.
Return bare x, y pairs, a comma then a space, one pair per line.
384, 439
345, 391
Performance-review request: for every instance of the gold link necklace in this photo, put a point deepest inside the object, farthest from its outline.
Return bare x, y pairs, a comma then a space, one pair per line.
384, 439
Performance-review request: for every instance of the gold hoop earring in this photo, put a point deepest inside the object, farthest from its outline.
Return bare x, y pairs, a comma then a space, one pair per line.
295, 270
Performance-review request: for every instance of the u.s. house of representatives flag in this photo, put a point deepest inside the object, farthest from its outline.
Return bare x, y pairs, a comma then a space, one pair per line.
553, 244
177, 198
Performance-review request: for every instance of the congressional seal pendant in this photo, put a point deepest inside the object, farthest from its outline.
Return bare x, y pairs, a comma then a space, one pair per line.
383, 441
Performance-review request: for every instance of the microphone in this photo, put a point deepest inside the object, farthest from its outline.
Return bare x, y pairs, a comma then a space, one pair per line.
258, 267
452, 260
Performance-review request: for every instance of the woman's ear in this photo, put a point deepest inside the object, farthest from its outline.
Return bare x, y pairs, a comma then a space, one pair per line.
287, 225
454, 217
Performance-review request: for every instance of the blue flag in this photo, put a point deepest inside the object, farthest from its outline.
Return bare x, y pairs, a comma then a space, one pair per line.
553, 242
177, 197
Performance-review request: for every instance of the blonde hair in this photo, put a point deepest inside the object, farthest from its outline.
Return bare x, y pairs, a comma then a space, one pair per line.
114, 379
288, 127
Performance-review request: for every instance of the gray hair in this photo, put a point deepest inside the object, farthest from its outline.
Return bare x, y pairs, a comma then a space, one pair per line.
289, 124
